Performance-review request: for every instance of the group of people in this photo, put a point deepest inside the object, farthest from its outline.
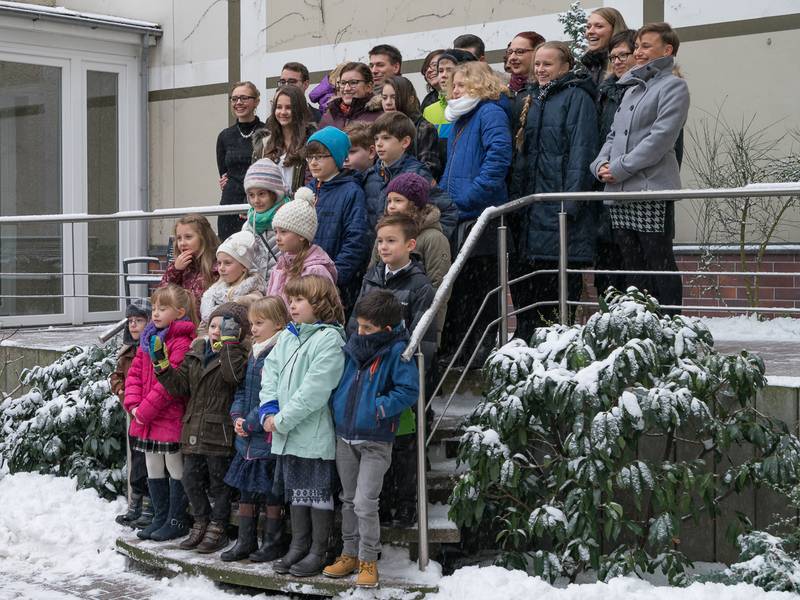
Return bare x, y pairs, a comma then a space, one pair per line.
267, 366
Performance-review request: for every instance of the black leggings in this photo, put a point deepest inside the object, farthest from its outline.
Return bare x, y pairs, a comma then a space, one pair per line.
650, 252
203, 477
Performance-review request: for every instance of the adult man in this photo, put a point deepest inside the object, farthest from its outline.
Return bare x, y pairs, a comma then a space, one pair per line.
639, 154
296, 74
471, 43
384, 61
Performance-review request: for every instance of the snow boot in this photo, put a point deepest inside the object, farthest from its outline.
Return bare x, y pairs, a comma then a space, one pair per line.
301, 539
274, 542
177, 523
344, 566
196, 534
159, 495
367, 574
134, 510
146, 516
247, 538
314, 561
216, 538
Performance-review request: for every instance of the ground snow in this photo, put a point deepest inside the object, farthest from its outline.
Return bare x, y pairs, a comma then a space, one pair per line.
750, 328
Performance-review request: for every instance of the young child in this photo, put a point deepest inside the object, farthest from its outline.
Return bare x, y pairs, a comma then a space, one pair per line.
140, 511
238, 278
298, 378
361, 156
209, 375
157, 414
295, 226
375, 388
263, 184
252, 470
194, 263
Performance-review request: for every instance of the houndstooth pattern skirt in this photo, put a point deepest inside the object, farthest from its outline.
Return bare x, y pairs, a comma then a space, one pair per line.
645, 217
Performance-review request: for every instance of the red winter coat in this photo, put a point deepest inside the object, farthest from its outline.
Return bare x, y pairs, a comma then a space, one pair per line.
191, 279
158, 415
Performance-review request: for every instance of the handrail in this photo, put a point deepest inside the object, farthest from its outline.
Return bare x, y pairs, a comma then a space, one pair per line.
127, 215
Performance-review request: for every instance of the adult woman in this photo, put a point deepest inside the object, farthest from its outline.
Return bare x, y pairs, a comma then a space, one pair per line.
479, 154
430, 72
356, 101
519, 59
234, 153
555, 142
602, 24
398, 94
284, 136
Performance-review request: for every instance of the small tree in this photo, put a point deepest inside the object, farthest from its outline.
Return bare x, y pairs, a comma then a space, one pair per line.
558, 441
574, 23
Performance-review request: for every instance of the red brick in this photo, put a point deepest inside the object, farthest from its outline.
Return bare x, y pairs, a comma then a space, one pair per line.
786, 267
728, 292
780, 281
787, 294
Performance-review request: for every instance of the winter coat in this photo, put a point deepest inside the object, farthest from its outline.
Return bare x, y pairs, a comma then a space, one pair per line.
267, 252
561, 139
342, 224
234, 155
478, 158
190, 279
430, 98
159, 413
595, 66
426, 147
300, 373
210, 380
245, 405
117, 378
413, 289
317, 262
253, 286
376, 386
363, 110
434, 114
322, 93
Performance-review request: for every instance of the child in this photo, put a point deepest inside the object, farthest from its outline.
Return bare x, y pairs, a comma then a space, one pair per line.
210, 373
295, 225
252, 470
238, 279
265, 191
157, 414
361, 156
298, 378
139, 507
375, 388
194, 264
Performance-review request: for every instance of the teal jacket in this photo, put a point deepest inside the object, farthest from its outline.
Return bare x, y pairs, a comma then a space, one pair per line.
300, 373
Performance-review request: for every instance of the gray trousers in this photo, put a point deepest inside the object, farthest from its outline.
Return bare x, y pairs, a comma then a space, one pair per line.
361, 469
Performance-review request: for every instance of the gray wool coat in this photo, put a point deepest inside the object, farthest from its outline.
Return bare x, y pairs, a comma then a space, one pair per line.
640, 148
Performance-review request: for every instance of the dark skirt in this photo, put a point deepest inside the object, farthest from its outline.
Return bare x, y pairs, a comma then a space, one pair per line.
154, 446
302, 480
255, 475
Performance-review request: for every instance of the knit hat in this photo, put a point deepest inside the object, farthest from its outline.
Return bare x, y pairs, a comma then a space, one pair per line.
412, 186
265, 175
238, 312
139, 307
335, 140
298, 216
242, 247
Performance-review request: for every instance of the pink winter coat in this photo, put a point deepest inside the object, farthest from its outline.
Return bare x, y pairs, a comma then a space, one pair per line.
317, 262
158, 415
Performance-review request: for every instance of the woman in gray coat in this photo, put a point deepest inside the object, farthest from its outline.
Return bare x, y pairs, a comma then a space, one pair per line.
639, 154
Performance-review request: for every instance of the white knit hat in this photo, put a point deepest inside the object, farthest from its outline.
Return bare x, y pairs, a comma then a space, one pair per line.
298, 216
241, 246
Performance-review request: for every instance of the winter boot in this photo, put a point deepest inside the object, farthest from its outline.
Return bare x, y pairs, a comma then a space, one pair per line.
216, 538
342, 567
147, 514
274, 542
301, 539
134, 510
367, 574
247, 538
177, 523
196, 534
159, 495
314, 561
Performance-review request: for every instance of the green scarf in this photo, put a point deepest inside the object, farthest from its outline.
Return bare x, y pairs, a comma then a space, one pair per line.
261, 222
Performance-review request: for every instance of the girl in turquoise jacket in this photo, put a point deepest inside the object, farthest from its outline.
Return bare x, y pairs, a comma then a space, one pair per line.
296, 384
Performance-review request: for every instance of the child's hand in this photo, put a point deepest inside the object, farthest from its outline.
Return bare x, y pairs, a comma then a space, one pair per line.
269, 424
158, 354
133, 413
223, 181
238, 427
183, 260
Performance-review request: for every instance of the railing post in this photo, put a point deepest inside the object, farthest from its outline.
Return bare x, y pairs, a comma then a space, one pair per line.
563, 309
502, 268
422, 484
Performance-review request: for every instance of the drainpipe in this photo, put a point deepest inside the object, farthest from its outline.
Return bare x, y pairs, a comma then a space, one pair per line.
145, 125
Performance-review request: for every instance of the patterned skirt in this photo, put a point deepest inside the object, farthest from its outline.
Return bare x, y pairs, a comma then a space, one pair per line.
645, 217
304, 479
154, 446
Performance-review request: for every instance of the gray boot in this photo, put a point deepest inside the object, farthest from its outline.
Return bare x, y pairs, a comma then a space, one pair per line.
314, 561
300, 517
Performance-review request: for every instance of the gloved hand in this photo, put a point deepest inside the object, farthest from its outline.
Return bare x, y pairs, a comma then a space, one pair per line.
229, 330
158, 354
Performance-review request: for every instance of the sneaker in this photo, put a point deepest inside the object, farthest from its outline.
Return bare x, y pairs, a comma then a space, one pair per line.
367, 574
342, 567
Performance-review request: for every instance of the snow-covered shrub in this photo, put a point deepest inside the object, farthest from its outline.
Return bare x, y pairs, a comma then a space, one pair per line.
574, 23
69, 423
561, 450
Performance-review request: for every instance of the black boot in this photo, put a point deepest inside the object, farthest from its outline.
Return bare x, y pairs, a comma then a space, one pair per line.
274, 542
134, 510
301, 539
146, 517
247, 538
177, 523
314, 561
159, 495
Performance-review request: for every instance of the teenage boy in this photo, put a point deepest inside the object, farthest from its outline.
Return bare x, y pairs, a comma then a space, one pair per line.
384, 61
471, 43
375, 388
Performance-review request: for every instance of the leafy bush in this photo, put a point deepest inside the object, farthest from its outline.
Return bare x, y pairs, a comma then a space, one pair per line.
69, 423
558, 449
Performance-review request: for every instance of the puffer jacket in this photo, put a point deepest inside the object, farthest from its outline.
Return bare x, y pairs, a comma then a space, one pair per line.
159, 413
317, 262
210, 380
376, 386
362, 110
560, 141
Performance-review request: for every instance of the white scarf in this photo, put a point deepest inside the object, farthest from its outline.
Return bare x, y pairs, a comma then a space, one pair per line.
458, 107
259, 347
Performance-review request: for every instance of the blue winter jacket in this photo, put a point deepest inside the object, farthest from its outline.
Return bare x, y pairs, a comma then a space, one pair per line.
245, 406
478, 158
342, 225
376, 386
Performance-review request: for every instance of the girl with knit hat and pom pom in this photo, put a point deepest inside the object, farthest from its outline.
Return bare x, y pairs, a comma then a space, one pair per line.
265, 191
295, 227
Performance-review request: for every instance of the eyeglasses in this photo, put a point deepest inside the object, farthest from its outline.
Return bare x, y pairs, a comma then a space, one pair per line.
235, 99
351, 83
288, 81
518, 51
621, 57
316, 158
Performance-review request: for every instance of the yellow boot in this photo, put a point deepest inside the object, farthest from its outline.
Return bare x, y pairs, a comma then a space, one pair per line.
367, 574
341, 567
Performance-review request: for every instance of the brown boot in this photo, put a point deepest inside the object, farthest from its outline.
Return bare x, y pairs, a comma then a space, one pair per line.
196, 534
215, 539
367, 574
342, 567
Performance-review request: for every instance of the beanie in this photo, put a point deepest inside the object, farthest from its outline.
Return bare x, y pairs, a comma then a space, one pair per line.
236, 311
299, 216
139, 307
242, 247
335, 140
265, 175
412, 186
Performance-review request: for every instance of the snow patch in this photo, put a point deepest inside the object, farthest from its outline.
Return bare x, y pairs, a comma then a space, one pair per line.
750, 328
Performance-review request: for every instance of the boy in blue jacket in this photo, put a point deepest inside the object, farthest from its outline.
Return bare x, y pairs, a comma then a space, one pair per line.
376, 386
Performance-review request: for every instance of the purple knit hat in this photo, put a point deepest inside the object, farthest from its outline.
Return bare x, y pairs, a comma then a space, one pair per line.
412, 186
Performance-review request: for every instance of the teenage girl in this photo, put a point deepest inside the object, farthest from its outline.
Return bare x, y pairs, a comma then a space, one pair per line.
194, 265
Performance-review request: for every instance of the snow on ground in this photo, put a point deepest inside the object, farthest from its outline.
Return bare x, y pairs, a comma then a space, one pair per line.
750, 328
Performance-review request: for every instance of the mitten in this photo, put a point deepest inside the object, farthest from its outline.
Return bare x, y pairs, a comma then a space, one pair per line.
229, 330
158, 354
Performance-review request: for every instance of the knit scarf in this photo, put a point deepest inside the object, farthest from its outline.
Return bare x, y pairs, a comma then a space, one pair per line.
518, 83
458, 107
363, 348
262, 221
545, 89
150, 330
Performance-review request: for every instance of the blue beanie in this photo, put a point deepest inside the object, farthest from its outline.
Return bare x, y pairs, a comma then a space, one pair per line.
335, 140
